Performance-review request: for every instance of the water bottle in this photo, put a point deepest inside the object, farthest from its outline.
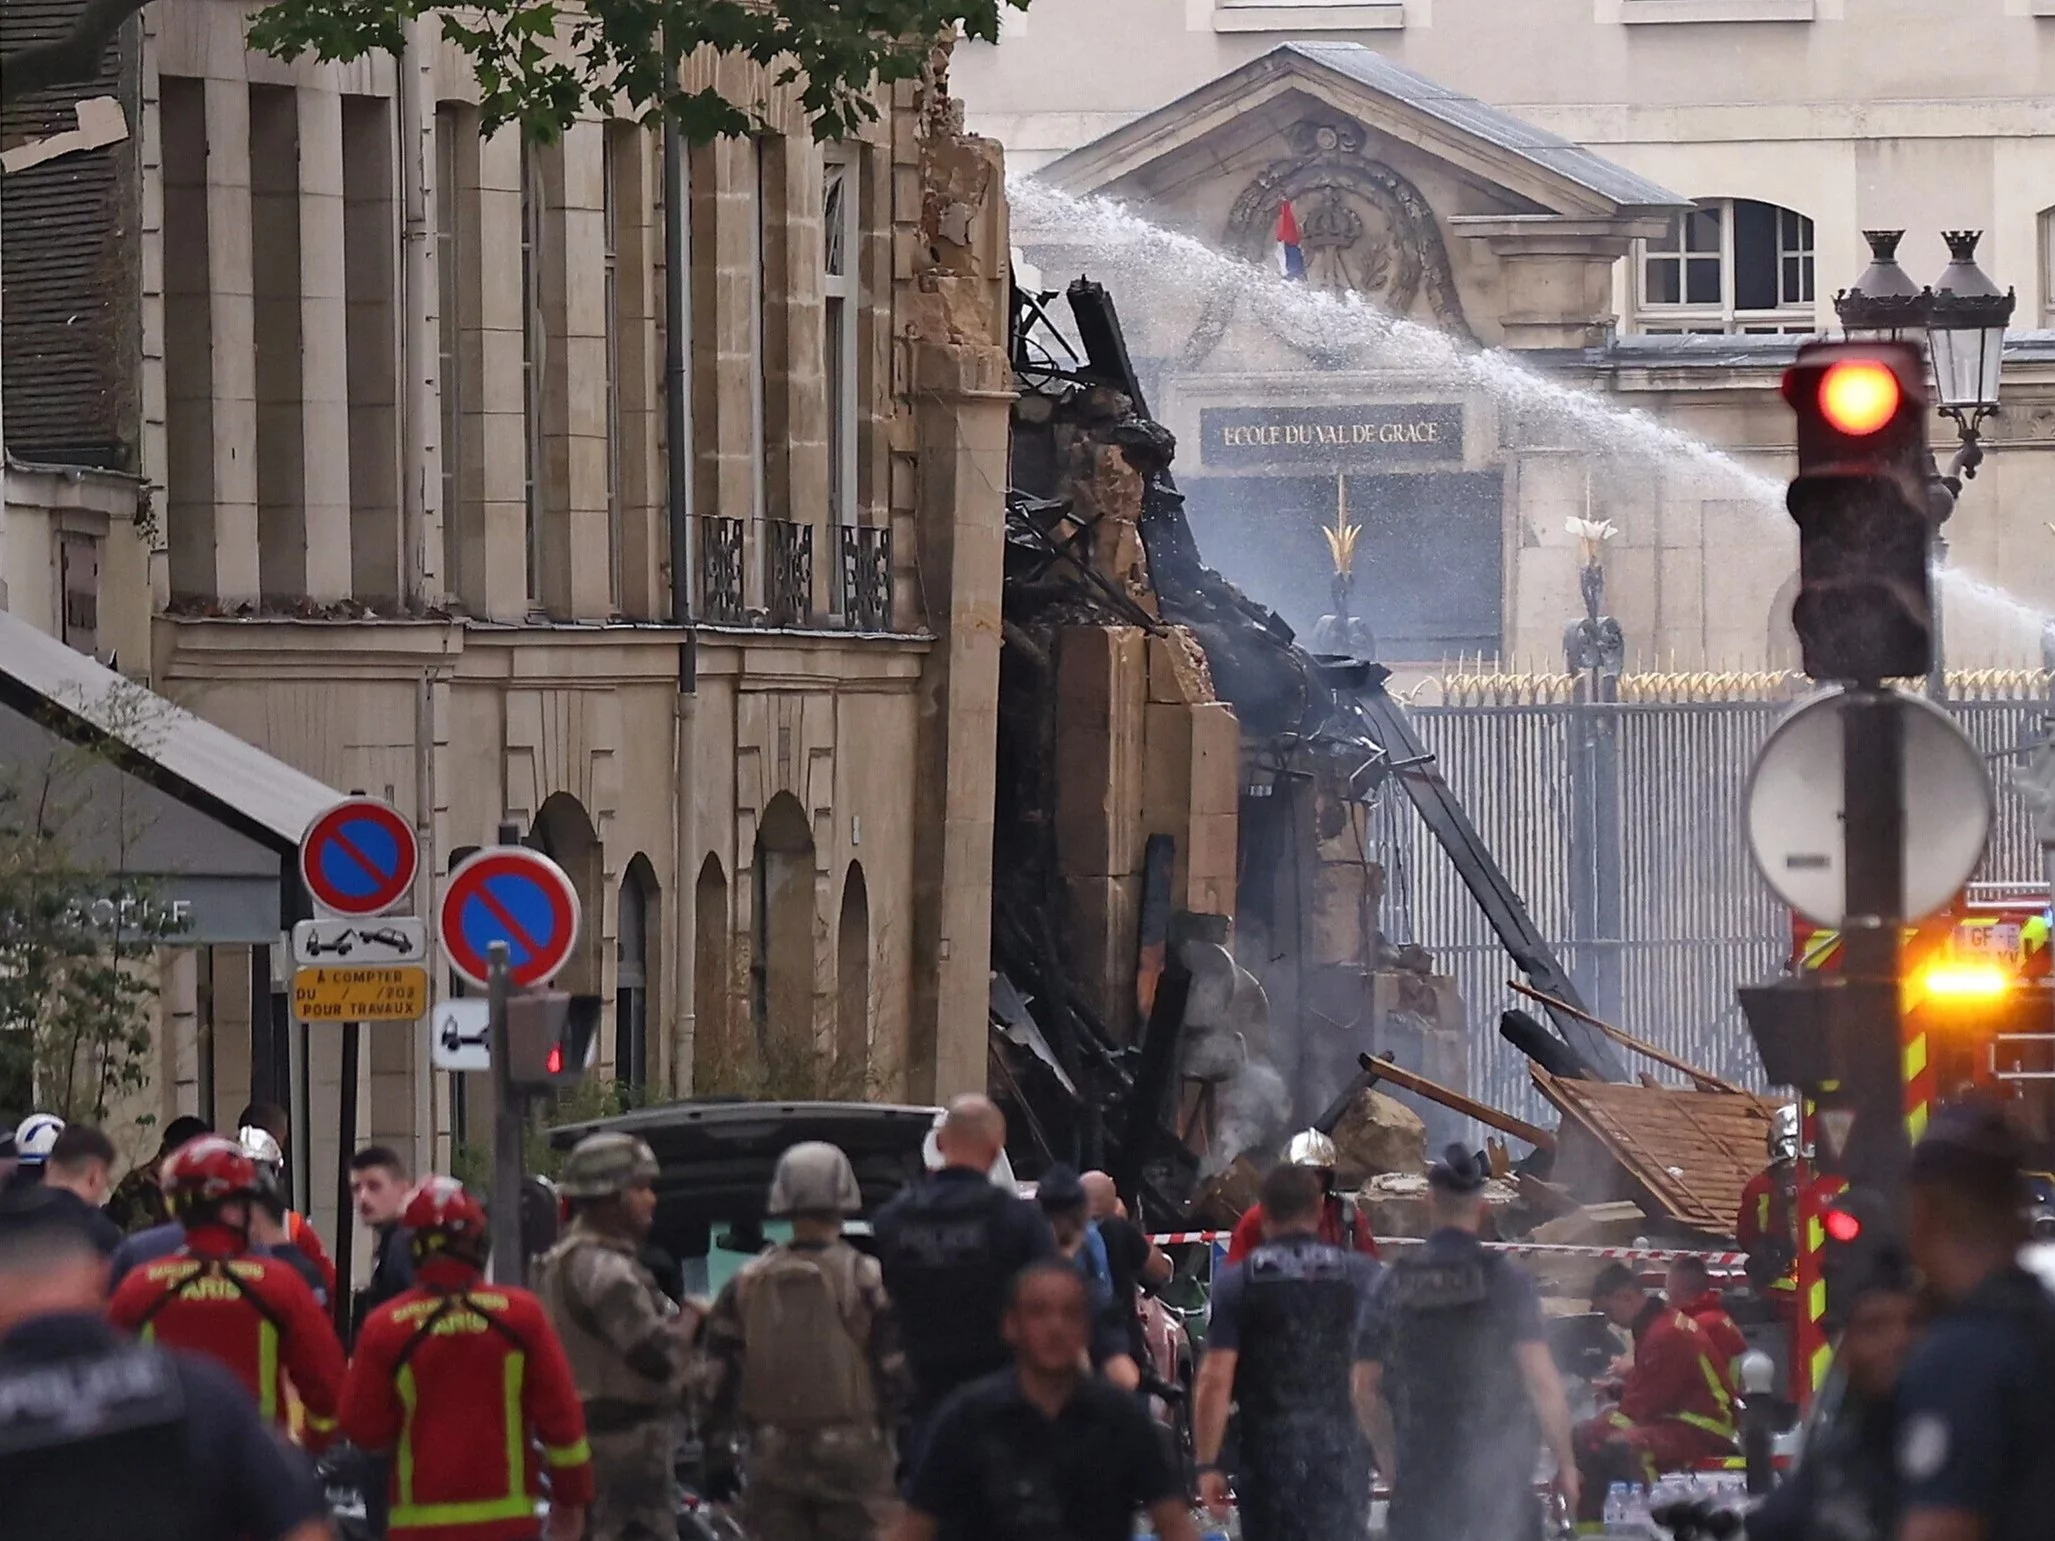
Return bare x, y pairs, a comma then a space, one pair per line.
1615, 1508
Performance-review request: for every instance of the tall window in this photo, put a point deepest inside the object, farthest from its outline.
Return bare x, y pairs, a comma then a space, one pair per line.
1729, 265
618, 143
533, 203
838, 238
449, 366
2047, 223
760, 450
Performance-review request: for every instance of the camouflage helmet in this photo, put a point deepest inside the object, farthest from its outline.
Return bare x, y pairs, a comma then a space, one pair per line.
601, 1165
814, 1177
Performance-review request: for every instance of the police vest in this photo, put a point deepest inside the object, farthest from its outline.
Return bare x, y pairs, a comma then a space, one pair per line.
1300, 1304
2019, 1299
67, 1425
939, 1244
1452, 1373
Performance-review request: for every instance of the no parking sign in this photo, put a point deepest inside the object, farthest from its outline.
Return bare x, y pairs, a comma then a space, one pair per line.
359, 857
508, 893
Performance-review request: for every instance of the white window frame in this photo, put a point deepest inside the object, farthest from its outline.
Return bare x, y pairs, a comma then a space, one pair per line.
1798, 317
840, 303
2044, 224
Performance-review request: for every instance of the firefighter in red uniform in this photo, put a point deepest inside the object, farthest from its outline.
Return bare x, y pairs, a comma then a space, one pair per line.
1674, 1407
1342, 1222
261, 1147
214, 1297
1688, 1287
1767, 1225
465, 1382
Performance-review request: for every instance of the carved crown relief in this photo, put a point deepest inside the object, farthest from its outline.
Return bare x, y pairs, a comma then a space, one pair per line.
1363, 229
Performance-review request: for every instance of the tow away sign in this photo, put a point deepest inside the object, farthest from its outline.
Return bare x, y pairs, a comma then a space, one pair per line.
459, 1036
356, 943
360, 994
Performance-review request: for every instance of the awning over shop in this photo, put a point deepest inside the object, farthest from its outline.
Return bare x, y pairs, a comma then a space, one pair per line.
137, 785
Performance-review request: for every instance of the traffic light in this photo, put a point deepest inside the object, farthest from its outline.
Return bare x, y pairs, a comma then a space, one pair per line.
1857, 1230
1861, 503
551, 1037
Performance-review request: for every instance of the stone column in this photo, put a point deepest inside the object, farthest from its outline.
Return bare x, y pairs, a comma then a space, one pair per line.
232, 337
496, 583
324, 350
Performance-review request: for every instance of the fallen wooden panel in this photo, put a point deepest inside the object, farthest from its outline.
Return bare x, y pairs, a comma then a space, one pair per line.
1690, 1152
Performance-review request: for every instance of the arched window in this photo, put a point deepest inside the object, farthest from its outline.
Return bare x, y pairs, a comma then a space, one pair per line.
565, 835
781, 963
713, 1067
634, 926
853, 984
1729, 265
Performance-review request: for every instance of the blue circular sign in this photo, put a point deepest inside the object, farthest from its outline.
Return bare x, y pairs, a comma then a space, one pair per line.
359, 857
513, 895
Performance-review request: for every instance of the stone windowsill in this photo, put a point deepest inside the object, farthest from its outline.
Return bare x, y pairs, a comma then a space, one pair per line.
2042, 8
1308, 15
1640, 11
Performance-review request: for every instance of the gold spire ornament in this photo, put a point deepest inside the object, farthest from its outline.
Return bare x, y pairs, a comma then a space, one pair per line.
1341, 535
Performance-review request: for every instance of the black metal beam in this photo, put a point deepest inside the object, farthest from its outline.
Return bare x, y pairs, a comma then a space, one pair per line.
1480, 872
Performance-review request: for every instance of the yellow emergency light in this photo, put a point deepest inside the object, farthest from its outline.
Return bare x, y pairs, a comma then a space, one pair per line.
1964, 983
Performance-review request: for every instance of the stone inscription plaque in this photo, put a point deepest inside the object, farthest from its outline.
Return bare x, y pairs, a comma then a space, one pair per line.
1381, 435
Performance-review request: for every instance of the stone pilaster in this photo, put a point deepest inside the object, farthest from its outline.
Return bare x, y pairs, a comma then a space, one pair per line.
232, 340
323, 549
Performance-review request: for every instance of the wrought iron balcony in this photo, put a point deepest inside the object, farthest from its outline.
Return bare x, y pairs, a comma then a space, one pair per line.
788, 572
866, 572
721, 597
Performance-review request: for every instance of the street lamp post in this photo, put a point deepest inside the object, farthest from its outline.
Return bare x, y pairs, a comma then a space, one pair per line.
1963, 325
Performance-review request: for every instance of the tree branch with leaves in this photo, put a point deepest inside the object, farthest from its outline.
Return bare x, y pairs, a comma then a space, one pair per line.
543, 63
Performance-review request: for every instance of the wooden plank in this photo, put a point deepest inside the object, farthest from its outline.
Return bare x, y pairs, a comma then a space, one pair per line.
1434, 1091
1704, 1080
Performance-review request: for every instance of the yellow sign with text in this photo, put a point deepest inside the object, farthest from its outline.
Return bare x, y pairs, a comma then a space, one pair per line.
360, 994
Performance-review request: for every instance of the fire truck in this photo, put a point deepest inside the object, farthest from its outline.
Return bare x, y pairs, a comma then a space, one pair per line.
1978, 991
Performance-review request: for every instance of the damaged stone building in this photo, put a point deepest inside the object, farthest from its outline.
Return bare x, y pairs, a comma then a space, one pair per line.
351, 431
1183, 804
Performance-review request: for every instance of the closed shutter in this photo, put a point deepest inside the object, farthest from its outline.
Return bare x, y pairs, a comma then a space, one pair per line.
71, 263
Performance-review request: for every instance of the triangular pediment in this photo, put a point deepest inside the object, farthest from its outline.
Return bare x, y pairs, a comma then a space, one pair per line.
1504, 164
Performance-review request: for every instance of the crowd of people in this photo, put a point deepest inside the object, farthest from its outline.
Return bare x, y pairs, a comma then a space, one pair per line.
974, 1371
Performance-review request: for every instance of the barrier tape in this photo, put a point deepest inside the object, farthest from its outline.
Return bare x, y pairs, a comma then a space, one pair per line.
1712, 1260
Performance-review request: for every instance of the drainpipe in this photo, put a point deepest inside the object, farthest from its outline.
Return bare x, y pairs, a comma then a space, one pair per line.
678, 476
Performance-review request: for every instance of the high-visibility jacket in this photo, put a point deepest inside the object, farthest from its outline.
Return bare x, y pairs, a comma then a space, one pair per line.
252, 1314
1768, 1224
464, 1383
1674, 1378
1723, 1339
308, 1240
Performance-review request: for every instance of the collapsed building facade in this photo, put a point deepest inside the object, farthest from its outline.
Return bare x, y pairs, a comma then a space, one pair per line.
1185, 902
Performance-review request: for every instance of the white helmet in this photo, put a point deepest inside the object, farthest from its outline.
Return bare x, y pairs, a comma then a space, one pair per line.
34, 1136
261, 1148
1309, 1147
1784, 1132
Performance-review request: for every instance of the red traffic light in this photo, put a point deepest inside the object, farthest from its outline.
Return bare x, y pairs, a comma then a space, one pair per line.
555, 1063
1841, 1225
1859, 396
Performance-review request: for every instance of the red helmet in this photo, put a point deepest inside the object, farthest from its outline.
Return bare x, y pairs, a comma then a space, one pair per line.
445, 1221
207, 1171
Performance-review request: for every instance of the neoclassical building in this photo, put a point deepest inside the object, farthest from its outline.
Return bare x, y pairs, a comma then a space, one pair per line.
1651, 201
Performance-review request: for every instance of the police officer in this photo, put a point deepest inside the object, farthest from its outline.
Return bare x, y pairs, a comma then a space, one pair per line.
950, 1247
1844, 1487
626, 1341
106, 1439
802, 1367
1462, 1376
1289, 1341
1976, 1404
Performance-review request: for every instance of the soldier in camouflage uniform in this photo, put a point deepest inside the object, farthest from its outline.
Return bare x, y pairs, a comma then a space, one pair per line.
629, 1347
801, 1374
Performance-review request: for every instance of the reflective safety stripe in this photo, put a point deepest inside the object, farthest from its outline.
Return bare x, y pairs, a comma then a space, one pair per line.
1822, 1360
519, 1507
515, 1368
267, 1371
318, 1424
1915, 1056
1710, 1425
567, 1455
516, 1504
